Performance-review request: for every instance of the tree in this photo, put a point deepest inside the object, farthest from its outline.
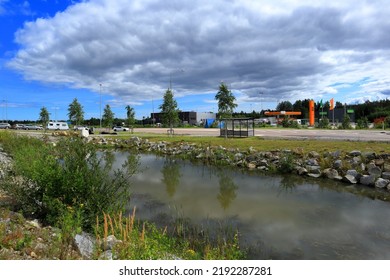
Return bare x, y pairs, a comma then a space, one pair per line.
169, 109
226, 100
44, 116
284, 106
130, 115
76, 112
108, 116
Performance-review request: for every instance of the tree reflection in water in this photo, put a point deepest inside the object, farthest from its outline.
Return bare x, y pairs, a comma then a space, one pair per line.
171, 176
227, 189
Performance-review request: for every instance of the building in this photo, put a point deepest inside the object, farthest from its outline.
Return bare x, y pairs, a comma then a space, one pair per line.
189, 117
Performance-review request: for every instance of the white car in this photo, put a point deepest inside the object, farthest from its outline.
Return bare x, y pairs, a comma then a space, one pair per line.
32, 127
81, 128
120, 128
5, 125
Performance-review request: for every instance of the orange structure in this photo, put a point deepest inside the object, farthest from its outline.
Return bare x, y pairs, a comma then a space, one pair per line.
284, 113
311, 112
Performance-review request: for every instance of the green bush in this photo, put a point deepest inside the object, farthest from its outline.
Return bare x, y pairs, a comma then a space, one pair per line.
362, 123
69, 176
324, 123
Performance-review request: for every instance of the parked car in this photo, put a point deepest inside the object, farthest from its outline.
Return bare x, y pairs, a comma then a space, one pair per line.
80, 128
18, 126
120, 128
32, 127
5, 125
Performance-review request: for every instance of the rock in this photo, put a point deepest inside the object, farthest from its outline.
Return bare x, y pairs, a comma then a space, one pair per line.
336, 154
386, 175
110, 242
106, 255
386, 167
369, 155
338, 164
375, 171
302, 171
353, 173
379, 162
367, 180
34, 223
331, 173
251, 158
381, 183
314, 169
312, 162
355, 153
85, 244
313, 175
350, 179
263, 162
314, 154
262, 168
251, 165
238, 156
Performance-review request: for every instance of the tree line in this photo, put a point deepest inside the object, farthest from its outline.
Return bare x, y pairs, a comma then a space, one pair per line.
76, 115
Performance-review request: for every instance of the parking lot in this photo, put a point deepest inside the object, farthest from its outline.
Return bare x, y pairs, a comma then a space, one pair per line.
274, 133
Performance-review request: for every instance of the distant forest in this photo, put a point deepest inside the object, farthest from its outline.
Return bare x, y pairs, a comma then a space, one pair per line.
370, 110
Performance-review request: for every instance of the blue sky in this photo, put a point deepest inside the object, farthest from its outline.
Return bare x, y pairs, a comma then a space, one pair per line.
266, 51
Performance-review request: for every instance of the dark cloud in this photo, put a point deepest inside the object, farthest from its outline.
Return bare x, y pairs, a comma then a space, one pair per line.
135, 48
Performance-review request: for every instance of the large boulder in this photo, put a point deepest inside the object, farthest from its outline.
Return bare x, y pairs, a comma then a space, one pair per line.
85, 244
374, 170
331, 173
368, 180
350, 179
381, 183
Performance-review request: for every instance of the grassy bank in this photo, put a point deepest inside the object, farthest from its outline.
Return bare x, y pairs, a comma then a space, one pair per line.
71, 186
261, 144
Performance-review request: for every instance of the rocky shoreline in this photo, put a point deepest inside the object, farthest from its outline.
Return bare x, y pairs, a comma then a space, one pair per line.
353, 167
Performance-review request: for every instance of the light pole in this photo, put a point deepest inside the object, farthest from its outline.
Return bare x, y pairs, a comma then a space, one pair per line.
153, 113
261, 104
100, 91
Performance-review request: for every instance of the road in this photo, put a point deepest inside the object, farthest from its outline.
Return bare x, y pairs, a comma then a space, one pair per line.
297, 134
337, 134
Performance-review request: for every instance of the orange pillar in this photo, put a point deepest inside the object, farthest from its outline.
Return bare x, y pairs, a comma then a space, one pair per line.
311, 112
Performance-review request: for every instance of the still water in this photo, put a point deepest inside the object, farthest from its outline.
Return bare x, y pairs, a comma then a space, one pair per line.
278, 217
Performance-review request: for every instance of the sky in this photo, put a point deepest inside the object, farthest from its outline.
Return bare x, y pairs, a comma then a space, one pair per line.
129, 52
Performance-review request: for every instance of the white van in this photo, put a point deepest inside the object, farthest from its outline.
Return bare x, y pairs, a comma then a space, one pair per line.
57, 126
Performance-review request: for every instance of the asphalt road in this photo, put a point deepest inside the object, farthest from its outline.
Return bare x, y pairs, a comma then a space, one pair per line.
337, 134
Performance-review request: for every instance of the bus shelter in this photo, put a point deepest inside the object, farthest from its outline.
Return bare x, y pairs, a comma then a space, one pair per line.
237, 127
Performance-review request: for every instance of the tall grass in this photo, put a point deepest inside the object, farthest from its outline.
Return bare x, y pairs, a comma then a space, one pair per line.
143, 240
67, 176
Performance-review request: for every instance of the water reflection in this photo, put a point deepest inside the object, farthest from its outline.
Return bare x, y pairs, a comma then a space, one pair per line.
227, 189
287, 217
171, 176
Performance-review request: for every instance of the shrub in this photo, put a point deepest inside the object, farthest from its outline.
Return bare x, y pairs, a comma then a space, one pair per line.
324, 123
71, 175
362, 123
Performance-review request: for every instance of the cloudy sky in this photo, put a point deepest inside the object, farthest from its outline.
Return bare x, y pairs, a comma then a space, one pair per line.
128, 52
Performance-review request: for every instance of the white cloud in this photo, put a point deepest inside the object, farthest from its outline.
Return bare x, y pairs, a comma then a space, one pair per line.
285, 49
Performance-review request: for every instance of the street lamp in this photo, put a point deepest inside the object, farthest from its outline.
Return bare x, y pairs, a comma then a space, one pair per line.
261, 105
100, 91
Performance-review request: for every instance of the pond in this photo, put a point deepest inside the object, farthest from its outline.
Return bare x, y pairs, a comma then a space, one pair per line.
278, 217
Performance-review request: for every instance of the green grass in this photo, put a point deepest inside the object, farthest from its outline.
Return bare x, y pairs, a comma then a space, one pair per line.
261, 144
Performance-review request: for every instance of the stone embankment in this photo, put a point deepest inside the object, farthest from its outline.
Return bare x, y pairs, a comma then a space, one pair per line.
353, 167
